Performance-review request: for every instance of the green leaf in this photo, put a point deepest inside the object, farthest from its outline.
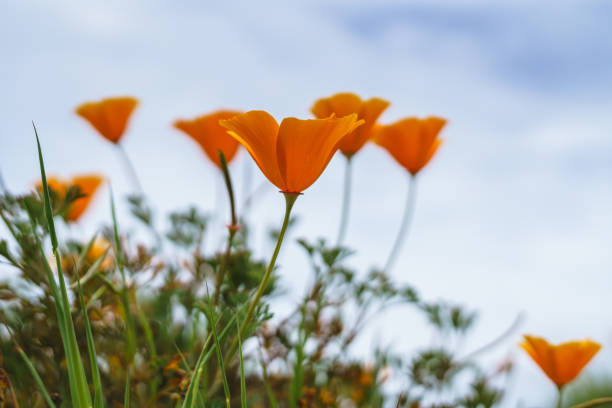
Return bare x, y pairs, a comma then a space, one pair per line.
79, 389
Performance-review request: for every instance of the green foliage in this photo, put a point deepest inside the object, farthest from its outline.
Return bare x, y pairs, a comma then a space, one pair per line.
141, 315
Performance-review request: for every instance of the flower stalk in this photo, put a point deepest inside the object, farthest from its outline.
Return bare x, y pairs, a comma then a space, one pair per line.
232, 228
346, 201
405, 223
289, 201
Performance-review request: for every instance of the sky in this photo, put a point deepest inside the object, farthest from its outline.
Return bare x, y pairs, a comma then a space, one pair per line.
512, 215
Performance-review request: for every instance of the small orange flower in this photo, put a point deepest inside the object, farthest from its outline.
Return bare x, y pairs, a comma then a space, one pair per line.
99, 248
211, 136
412, 142
342, 104
87, 185
109, 116
293, 155
561, 363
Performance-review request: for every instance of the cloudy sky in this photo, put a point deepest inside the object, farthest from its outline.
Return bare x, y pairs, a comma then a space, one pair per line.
513, 215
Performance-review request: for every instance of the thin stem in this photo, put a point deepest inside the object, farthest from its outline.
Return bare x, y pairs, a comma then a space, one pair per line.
129, 168
515, 325
228, 185
560, 398
406, 220
346, 201
594, 402
232, 228
289, 201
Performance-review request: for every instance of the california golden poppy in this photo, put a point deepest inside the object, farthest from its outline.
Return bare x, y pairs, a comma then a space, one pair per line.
100, 247
109, 116
342, 104
87, 185
293, 155
561, 363
211, 136
412, 142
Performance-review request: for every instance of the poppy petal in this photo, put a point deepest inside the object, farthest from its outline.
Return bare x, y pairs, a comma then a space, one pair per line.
305, 147
257, 131
87, 185
109, 116
211, 136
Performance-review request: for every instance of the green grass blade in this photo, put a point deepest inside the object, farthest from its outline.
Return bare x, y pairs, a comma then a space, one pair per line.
47, 200
190, 395
59, 308
210, 315
273, 402
93, 359
79, 388
242, 379
126, 400
129, 321
36, 377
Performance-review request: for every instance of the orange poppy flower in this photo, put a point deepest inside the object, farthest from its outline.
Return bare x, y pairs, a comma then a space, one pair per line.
87, 184
561, 363
109, 116
412, 142
342, 104
293, 155
211, 136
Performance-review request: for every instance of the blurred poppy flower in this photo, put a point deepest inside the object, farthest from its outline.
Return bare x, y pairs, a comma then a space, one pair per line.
98, 249
342, 104
412, 142
87, 185
561, 363
211, 136
293, 155
109, 116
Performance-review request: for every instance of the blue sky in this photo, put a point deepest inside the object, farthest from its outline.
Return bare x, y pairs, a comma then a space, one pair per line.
513, 214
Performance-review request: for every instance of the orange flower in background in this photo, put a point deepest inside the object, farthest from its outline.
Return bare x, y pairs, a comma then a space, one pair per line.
109, 116
561, 363
293, 155
342, 104
100, 247
412, 142
56, 184
87, 185
210, 135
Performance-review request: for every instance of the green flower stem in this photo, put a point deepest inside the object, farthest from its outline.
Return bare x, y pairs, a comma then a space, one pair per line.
289, 201
560, 397
346, 201
129, 168
406, 220
233, 228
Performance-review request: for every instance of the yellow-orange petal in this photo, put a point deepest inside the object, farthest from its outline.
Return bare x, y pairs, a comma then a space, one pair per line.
257, 131
211, 136
340, 104
99, 248
561, 363
343, 104
370, 112
87, 184
109, 116
305, 147
56, 184
412, 142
